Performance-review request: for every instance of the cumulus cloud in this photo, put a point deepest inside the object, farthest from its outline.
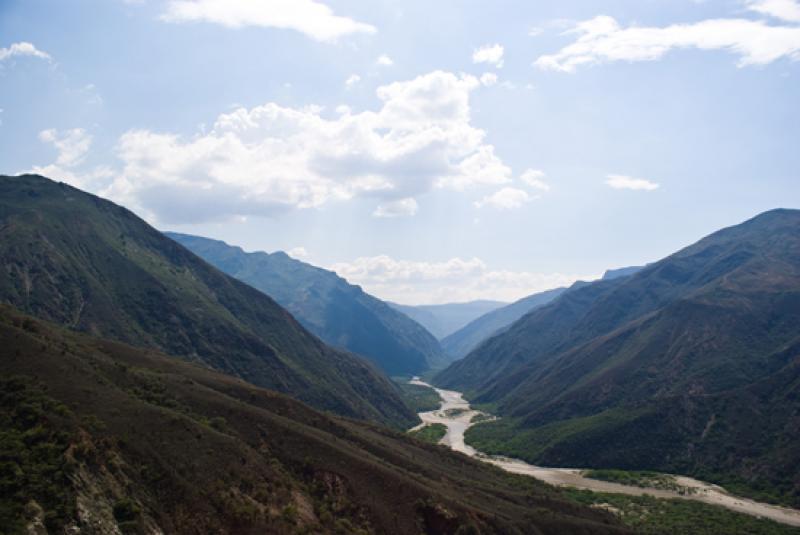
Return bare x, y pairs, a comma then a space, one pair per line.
72, 146
309, 17
602, 40
488, 79
272, 158
788, 10
352, 80
398, 208
627, 182
505, 199
491, 54
453, 280
299, 253
384, 61
534, 178
23, 49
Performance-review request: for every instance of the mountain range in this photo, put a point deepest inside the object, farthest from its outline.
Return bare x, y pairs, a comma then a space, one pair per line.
88, 264
689, 365
445, 319
340, 313
467, 338
100, 437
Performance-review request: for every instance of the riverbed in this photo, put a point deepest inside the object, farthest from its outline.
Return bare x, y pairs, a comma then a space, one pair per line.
456, 414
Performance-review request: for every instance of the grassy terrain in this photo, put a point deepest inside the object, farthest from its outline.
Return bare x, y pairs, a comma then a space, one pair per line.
690, 366
158, 444
85, 263
654, 516
432, 433
418, 398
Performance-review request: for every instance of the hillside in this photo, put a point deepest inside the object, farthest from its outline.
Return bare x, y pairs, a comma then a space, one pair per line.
340, 313
86, 263
467, 338
444, 320
109, 438
689, 365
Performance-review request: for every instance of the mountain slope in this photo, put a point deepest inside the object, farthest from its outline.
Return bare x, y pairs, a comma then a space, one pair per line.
110, 438
659, 352
341, 314
86, 263
464, 340
443, 320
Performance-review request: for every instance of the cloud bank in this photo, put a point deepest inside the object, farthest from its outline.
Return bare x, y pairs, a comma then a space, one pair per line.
314, 19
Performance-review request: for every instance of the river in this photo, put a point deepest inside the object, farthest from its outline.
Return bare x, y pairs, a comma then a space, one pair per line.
456, 414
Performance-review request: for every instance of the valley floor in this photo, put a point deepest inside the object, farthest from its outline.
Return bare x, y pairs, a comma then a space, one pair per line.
457, 415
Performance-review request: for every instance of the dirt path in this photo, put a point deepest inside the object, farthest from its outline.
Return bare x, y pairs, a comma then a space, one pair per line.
456, 414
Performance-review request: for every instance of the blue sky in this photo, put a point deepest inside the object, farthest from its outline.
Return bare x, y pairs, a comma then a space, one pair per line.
430, 151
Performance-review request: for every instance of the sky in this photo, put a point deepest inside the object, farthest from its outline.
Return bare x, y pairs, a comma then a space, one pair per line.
431, 152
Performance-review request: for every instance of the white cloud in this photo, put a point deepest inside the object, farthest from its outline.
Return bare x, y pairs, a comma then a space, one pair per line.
23, 49
399, 208
505, 199
534, 178
488, 79
298, 253
602, 39
272, 158
788, 10
352, 80
627, 182
72, 147
453, 280
384, 61
309, 17
491, 54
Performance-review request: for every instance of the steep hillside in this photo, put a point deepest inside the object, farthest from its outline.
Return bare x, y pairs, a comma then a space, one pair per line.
93, 266
443, 320
661, 354
108, 438
464, 340
341, 314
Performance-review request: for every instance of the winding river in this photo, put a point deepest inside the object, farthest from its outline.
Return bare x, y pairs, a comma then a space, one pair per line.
456, 414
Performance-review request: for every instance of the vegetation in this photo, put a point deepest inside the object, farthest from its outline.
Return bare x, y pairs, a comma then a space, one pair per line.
432, 433
161, 443
34, 470
690, 366
340, 313
88, 264
419, 398
654, 516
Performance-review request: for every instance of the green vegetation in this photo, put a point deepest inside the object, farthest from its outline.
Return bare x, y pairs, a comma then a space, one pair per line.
432, 433
160, 442
90, 265
419, 398
338, 312
690, 366
34, 469
654, 516
481, 417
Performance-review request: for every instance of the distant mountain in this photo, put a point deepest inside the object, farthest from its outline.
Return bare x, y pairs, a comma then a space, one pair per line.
443, 320
690, 365
342, 314
100, 437
464, 340
86, 263
621, 272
